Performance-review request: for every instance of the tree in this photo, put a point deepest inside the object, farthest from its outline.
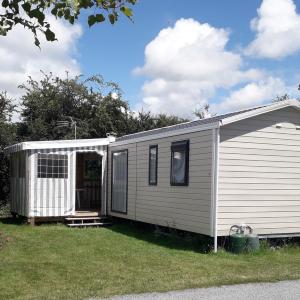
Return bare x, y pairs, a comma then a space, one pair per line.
281, 98
204, 112
147, 121
96, 106
7, 137
32, 15
90, 102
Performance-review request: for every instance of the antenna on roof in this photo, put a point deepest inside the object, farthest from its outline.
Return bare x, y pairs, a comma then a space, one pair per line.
71, 123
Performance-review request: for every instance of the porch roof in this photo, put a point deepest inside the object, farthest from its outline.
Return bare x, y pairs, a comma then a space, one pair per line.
56, 144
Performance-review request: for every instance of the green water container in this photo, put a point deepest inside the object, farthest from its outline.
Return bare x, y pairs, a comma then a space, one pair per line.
252, 242
237, 243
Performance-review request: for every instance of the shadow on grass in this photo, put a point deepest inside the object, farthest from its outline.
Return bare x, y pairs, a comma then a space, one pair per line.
182, 240
162, 236
12, 221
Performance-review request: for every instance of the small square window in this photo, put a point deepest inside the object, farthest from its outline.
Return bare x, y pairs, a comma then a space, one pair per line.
52, 166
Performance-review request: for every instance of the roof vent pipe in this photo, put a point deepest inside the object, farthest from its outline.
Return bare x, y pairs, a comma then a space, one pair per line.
111, 136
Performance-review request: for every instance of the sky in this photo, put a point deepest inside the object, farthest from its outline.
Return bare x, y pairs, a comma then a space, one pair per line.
176, 56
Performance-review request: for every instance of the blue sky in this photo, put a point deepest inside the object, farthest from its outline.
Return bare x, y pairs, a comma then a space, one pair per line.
231, 54
114, 51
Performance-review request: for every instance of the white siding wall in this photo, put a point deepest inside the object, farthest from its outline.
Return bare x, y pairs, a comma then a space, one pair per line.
259, 173
181, 207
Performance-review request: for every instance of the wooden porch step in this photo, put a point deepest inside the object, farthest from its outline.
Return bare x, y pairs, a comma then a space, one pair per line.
88, 224
76, 221
83, 218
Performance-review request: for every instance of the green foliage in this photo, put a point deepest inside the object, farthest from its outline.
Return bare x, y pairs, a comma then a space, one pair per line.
32, 14
7, 137
53, 99
147, 121
96, 106
281, 98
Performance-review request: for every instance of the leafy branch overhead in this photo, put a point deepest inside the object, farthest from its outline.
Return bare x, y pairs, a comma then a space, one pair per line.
32, 15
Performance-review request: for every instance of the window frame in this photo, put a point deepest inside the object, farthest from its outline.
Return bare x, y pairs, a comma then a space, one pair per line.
176, 146
156, 165
46, 156
111, 181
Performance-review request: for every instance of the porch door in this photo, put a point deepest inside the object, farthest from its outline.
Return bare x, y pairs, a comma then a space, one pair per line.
88, 187
119, 181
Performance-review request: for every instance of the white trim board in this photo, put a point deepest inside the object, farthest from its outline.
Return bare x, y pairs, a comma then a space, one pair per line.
57, 144
167, 134
259, 111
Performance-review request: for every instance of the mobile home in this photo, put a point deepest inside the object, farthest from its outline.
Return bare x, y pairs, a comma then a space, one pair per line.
202, 176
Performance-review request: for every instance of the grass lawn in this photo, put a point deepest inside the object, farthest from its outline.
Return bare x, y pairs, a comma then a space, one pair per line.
55, 262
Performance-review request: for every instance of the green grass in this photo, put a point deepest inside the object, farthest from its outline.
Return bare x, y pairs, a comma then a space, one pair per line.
55, 262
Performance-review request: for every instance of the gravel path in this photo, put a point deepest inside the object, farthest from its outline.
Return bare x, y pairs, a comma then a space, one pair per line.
283, 290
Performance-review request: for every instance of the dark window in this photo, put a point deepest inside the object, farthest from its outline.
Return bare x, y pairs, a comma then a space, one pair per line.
119, 181
180, 163
22, 164
153, 153
52, 166
92, 169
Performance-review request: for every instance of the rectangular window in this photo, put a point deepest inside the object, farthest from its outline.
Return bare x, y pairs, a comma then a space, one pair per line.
180, 163
119, 181
153, 153
52, 166
22, 165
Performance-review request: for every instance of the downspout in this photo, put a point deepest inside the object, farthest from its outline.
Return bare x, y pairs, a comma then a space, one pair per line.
106, 185
215, 175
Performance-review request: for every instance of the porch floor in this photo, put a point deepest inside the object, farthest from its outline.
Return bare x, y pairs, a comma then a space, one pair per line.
88, 213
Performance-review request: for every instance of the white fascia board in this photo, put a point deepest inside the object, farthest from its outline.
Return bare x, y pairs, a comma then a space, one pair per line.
167, 134
56, 144
263, 110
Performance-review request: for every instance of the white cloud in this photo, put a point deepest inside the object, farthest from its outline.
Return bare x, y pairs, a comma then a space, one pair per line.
20, 58
277, 30
186, 64
252, 94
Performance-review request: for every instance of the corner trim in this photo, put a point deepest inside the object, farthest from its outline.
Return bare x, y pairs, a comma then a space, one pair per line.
214, 186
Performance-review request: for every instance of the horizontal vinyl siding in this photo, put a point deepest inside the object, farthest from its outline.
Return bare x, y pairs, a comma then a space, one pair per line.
181, 207
259, 173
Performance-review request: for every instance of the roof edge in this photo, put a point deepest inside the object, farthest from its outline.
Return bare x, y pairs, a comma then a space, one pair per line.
268, 108
55, 144
174, 132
